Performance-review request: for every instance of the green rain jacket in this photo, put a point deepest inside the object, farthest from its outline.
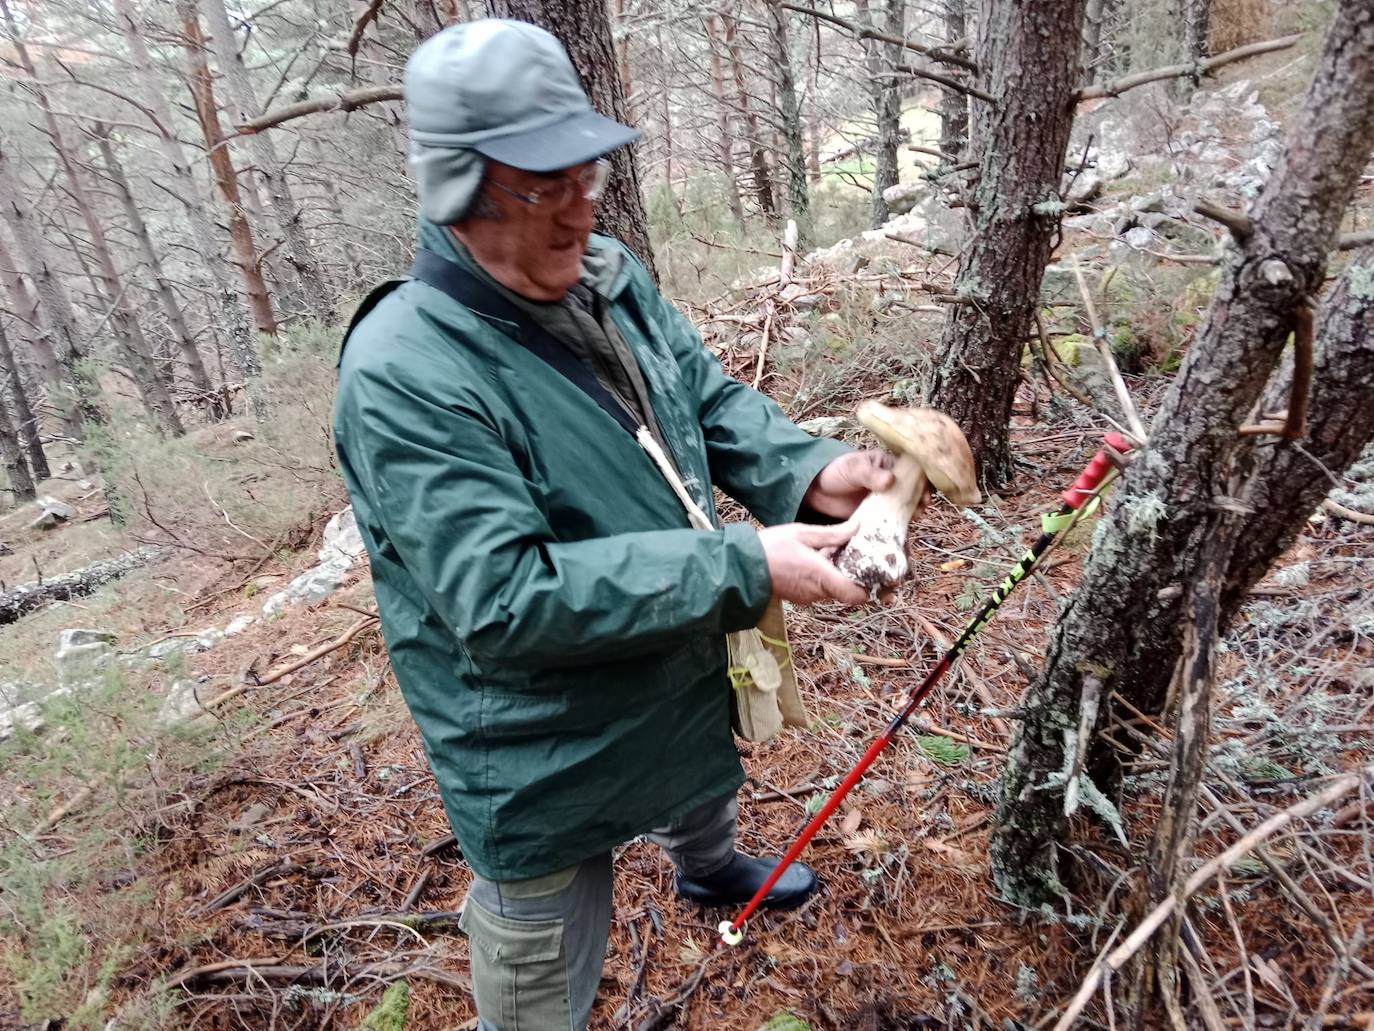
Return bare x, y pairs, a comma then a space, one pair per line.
555, 626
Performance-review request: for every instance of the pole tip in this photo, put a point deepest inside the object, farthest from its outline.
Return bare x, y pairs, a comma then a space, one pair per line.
729, 935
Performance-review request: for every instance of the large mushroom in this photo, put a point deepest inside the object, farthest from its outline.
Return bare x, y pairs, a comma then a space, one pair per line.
930, 448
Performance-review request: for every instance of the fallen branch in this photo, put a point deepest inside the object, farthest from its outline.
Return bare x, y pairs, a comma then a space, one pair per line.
1338, 788
1196, 69
1335, 508
272, 676
26, 598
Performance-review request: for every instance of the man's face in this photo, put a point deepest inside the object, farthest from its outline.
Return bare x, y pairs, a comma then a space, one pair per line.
533, 249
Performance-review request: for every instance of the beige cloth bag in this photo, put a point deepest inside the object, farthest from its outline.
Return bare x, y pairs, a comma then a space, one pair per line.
764, 696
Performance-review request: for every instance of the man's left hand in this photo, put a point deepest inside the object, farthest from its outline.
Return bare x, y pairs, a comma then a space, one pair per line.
840, 486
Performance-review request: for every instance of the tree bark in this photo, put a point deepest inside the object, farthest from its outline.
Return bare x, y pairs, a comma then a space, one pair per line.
239, 312
759, 173
69, 390
20, 601
240, 232
727, 143
953, 104
171, 306
11, 450
794, 140
1123, 624
300, 253
28, 307
884, 84
30, 431
127, 329
1030, 55
584, 28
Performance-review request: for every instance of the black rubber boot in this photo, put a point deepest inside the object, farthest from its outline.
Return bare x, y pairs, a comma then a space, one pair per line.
735, 883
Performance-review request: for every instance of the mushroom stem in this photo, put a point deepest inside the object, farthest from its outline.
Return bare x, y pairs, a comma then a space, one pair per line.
875, 556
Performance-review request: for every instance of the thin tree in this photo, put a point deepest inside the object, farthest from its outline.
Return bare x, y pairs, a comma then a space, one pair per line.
12, 456
1028, 57
584, 28
726, 141
760, 174
299, 250
167, 298
109, 286
884, 86
953, 104
69, 389
1172, 563
30, 431
235, 309
794, 140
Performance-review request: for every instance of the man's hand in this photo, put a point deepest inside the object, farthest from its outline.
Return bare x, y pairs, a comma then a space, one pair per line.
799, 561
840, 486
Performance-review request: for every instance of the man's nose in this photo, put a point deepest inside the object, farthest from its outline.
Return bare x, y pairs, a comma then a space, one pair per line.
579, 213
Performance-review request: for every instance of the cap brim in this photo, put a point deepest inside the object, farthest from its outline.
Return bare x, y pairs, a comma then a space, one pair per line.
572, 141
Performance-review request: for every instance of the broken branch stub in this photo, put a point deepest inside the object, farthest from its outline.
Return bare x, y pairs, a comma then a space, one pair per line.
931, 450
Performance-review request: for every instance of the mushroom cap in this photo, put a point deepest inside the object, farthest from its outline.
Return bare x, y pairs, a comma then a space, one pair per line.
933, 439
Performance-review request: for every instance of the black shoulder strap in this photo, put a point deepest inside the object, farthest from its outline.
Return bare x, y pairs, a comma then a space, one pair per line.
471, 292
369, 302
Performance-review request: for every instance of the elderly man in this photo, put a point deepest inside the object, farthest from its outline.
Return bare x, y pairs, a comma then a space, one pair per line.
555, 624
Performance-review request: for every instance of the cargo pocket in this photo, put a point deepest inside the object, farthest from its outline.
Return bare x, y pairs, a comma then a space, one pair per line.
519, 971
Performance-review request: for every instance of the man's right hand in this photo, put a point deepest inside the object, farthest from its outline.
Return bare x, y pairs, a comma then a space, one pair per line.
799, 561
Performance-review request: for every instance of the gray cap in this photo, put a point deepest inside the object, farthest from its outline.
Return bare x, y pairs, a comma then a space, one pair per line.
497, 89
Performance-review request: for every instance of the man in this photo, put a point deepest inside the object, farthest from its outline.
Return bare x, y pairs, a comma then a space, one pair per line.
556, 626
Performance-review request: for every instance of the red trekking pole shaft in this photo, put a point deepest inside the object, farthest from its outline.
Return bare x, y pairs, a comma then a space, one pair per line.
1084, 488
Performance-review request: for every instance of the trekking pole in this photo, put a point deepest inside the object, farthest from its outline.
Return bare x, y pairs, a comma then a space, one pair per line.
1076, 500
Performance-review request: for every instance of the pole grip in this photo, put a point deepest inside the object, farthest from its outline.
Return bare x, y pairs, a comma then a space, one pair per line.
1091, 477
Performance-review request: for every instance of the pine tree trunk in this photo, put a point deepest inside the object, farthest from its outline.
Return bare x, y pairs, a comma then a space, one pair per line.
171, 306
240, 312
41, 340
727, 143
884, 86
300, 253
758, 160
584, 28
30, 431
378, 75
954, 105
128, 332
1124, 623
240, 232
11, 450
1029, 57
789, 107
68, 391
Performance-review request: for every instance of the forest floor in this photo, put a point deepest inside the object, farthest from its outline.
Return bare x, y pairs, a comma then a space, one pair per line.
282, 858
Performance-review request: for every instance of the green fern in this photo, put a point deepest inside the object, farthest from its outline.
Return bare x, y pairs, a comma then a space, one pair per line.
942, 750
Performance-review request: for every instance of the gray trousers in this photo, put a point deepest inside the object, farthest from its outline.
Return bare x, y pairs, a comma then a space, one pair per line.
538, 946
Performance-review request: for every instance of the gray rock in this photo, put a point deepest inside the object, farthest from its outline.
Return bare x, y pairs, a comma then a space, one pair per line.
824, 425
179, 705
1139, 238
207, 639
310, 588
53, 512
28, 716
1112, 165
341, 538
902, 197
1086, 187
843, 257
5, 549
239, 625
171, 646
82, 655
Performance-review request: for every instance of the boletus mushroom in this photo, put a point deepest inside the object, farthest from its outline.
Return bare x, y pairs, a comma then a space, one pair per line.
930, 449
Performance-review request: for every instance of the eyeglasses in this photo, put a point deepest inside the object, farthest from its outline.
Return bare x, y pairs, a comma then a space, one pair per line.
558, 193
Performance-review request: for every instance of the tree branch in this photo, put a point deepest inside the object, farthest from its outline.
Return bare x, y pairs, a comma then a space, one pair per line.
860, 32
333, 102
945, 80
1196, 69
